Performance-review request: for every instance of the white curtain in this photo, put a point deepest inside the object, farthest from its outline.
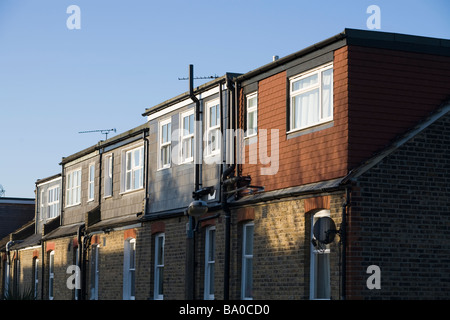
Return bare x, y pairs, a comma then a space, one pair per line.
327, 77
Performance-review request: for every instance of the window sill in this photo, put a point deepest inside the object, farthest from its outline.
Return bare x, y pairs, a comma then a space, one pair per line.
164, 168
212, 155
187, 161
72, 205
251, 139
124, 193
317, 127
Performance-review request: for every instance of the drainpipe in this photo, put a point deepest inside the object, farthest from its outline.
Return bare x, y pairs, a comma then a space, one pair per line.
146, 166
225, 208
235, 123
80, 257
100, 167
9, 244
86, 244
197, 119
190, 237
343, 236
37, 211
42, 268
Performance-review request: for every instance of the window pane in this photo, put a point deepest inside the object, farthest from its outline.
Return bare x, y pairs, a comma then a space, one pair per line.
132, 254
251, 102
136, 157
305, 82
322, 275
78, 195
191, 124
132, 281
217, 115
249, 240
327, 98
213, 140
160, 281
50, 288
136, 179
306, 108
211, 245
51, 263
248, 278
185, 125
211, 278
164, 134
165, 155
251, 123
160, 251
128, 180
212, 116
69, 197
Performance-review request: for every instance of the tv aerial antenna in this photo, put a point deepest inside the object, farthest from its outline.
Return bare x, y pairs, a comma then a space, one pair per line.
191, 75
102, 131
196, 78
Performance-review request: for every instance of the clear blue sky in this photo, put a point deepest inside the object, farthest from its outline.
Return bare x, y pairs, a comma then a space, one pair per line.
128, 55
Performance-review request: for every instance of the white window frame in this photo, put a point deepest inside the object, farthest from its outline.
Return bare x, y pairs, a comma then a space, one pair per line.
186, 136
94, 272
91, 182
159, 266
128, 172
42, 206
167, 144
53, 195
73, 191
51, 275
210, 248
109, 168
315, 252
247, 261
250, 132
212, 128
318, 86
129, 269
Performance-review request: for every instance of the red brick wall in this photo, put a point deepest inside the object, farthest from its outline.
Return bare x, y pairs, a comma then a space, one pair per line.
308, 158
390, 91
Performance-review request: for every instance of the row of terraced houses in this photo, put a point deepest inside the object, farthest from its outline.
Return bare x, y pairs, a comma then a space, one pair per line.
324, 174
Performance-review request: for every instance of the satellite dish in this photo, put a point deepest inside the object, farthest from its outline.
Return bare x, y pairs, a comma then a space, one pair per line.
324, 230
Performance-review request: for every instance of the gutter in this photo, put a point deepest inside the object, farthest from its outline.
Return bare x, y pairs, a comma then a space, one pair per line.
292, 56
